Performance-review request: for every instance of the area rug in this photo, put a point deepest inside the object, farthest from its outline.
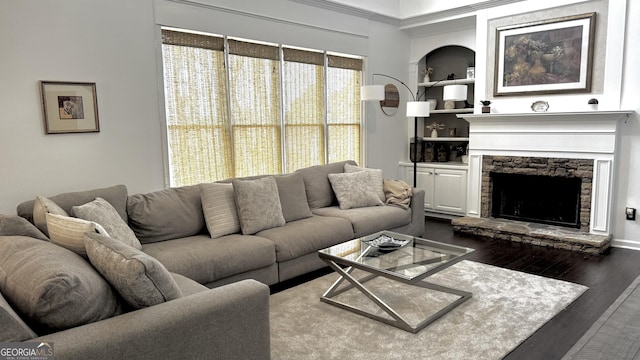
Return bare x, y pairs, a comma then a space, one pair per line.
506, 308
615, 334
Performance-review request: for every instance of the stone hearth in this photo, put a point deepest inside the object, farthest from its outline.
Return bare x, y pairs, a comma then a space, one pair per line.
556, 237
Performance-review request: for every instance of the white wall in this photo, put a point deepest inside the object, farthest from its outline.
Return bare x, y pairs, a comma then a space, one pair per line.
110, 43
115, 44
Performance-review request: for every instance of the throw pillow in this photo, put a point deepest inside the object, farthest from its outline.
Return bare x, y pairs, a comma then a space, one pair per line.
19, 226
377, 181
13, 328
69, 232
353, 190
316, 183
41, 207
139, 278
258, 204
51, 287
293, 197
103, 213
219, 207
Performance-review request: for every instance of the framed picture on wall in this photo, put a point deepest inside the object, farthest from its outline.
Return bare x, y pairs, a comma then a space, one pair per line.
544, 57
69, 107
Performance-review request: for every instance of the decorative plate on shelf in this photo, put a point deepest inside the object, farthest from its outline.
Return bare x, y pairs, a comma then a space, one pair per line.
540, 106
385, 243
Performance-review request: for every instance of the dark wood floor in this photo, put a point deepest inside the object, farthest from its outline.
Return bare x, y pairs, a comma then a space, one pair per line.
607, 276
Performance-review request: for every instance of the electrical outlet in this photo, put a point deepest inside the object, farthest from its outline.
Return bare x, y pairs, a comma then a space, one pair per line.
631, 213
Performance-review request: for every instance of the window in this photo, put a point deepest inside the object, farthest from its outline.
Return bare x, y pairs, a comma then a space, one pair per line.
235, 107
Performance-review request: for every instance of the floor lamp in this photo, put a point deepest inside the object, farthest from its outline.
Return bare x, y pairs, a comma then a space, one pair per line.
415, 109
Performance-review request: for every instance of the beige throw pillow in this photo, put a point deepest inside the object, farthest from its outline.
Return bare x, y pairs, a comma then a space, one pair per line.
41, 207
139, 278
376, 179
219, 207
355, 190
102, 212
69, 232
258, 204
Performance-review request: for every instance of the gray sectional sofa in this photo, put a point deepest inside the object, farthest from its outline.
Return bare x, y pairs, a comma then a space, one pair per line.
222, 244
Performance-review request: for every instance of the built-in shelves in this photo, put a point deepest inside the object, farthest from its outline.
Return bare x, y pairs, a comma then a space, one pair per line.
453, 111
447, 82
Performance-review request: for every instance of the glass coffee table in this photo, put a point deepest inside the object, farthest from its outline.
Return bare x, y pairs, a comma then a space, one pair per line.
403, 258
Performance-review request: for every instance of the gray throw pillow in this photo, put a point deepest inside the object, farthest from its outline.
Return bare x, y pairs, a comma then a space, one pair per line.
139, 278
51, 287
354, 190
377, 180
219, 207
13, 329
258, 204
103, 213
293, 197
41, 207
316, 183
13, 225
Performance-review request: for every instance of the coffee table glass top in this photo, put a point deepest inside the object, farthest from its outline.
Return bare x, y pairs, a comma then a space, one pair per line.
402, 257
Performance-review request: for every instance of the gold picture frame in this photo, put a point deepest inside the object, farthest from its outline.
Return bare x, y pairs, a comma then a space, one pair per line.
69, 107
545, 57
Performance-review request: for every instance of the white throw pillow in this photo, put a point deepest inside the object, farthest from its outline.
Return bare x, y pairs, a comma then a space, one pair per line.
69, 232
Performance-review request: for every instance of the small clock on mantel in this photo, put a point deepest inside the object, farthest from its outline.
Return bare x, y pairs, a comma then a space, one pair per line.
540, 106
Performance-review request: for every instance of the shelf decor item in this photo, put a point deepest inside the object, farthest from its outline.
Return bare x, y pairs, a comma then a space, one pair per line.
543, 57
486, 109
453, 93
415, 109
434, 127
69, 107
427, 74
593, 104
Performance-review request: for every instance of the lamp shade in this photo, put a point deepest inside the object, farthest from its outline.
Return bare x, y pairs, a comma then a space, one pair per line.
454, 93
417, 109
372, 92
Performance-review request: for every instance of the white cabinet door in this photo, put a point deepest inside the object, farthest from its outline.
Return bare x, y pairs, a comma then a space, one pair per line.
424, 181
450, 191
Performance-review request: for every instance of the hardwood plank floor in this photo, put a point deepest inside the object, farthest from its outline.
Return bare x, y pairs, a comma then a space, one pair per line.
607, 276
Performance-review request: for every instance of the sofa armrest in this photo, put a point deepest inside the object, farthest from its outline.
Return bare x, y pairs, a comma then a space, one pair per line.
228, 322
417, 212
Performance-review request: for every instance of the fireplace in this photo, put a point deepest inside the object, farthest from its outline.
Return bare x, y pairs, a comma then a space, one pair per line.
578, 148
555, 191
536, 198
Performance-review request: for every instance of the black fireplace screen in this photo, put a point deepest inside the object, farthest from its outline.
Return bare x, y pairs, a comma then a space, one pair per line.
536, 198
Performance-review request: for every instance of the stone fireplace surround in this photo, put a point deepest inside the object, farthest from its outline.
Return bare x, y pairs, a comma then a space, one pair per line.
586, 138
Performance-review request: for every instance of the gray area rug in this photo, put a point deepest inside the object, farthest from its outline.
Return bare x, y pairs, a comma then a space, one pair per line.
616, 333
506, 308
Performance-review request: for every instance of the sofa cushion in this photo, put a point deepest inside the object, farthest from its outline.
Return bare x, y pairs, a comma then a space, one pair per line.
376, 175
293, 197
41, 207
219, 207
205, 260
115, 195
101, 212
51, 287
316, 183
308, 235
13, 225
355, 190
13, 329
166, 214
139, 278
258, 204
69, 232
368, 220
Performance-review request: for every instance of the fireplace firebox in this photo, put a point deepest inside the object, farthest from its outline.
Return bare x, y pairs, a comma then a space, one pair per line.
541, 199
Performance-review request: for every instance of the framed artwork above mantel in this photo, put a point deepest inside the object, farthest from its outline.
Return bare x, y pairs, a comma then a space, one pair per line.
545, 57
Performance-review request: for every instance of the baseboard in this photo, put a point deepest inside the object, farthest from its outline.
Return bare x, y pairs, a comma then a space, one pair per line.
626, 244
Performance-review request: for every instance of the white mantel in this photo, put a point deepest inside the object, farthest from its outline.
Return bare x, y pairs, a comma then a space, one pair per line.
576, 135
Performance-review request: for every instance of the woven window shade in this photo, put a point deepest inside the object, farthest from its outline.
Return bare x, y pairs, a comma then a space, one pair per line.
196, 109
343, 109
